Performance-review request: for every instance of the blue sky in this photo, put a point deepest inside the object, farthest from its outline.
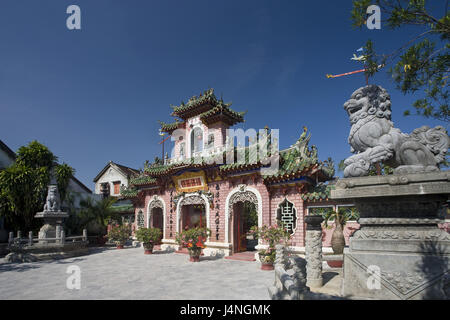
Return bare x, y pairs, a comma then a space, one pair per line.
96, 94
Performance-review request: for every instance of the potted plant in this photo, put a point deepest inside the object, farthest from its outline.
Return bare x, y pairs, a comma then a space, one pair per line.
340, 218
119, 235
194, 240
149, 237
272, 236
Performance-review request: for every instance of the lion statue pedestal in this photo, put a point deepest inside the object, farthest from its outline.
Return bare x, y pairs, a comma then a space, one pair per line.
52, 215
399, 252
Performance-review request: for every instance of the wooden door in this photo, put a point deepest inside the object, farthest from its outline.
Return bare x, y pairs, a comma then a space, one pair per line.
239, 237
158, 220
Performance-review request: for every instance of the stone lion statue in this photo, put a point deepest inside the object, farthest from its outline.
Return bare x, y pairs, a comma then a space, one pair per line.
374, 139
52, 201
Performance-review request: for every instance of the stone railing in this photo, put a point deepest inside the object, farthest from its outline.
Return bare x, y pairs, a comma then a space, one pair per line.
20, 242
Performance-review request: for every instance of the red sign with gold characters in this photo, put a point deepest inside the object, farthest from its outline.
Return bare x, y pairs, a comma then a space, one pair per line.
190, 182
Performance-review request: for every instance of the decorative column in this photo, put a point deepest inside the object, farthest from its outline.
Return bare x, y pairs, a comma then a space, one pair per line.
314, 251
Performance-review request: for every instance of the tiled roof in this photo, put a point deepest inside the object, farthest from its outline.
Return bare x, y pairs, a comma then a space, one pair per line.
7, 150
207, 97
208, 107
128, 192
123, 208
169, 127
129, 172
142, 179
222, 112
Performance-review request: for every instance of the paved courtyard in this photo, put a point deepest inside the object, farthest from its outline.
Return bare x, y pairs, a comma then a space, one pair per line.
129, 274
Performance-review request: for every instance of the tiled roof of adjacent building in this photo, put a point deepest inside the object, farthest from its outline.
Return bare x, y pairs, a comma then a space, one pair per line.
7, 150
127, 171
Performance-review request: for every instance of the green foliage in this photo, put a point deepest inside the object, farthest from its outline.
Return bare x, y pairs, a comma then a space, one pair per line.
100, 212
63, 174
23, 185
250, 214
193, 238
384, 169
341, 216
273, 235
420, 63
35, 156
119, 234
148, 235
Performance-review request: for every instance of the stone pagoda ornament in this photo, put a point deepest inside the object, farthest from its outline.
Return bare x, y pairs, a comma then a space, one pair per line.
399, 252
52, 214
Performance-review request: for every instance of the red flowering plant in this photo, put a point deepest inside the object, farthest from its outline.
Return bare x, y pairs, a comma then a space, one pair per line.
272, 235
194, 239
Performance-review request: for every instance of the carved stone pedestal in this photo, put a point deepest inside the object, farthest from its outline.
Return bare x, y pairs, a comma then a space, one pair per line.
399, 252
53, 224
313, 251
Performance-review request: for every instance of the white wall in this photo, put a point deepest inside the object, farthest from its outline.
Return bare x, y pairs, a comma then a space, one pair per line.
111, 175
80, 193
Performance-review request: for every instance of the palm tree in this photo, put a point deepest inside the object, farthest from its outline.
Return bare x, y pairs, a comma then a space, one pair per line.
99, 213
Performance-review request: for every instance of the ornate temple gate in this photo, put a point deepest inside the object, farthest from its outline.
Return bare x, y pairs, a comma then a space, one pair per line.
239, 227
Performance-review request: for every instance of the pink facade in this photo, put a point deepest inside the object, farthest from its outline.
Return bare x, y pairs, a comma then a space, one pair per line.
227, 194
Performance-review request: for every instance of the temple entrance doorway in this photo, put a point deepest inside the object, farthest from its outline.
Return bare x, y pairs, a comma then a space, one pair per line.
245, 216
192, 216
157, 220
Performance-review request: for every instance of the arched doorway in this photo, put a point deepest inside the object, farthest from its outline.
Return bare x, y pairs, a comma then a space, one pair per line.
243, 212
245, 216
156, 215
192, 212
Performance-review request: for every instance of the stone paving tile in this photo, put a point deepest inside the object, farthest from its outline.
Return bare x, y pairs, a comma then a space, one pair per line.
129, 274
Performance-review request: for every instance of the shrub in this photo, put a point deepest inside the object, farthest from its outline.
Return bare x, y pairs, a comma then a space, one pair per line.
119, 234
194, 238
148, 235
273, 235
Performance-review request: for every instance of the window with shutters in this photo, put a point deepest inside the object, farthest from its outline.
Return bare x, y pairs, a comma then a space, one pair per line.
116, 187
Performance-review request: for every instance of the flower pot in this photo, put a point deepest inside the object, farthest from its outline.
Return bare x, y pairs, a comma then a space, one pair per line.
194, 254
267, 266
266, 262
148, 248
338, 240
335, 264
119, 246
